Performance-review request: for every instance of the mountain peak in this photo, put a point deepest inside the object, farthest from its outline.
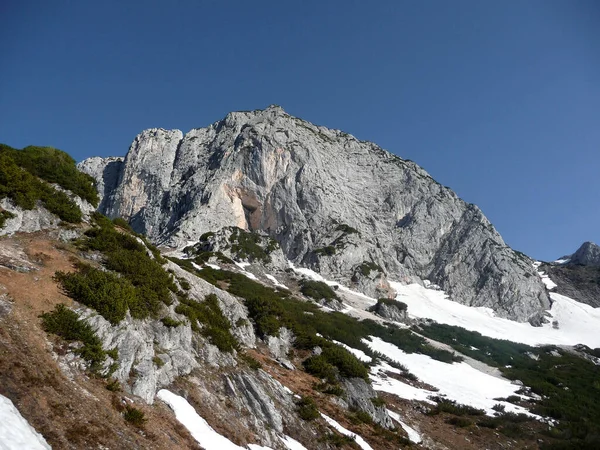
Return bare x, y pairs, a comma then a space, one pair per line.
587, 255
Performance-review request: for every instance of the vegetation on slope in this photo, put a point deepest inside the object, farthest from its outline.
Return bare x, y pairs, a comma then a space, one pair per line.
66, 323
25, 190
54, 166
568, 385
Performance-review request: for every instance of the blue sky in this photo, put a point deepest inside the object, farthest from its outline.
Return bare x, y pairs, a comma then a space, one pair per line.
498, 100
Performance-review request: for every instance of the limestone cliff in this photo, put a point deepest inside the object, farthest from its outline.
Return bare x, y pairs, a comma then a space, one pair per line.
334, 203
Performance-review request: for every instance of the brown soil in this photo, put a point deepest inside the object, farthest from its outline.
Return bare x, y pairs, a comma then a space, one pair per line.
70, 414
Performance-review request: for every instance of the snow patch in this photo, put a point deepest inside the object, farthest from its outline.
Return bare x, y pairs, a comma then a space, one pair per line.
291, 444
458, 381
575, 322
547, 281
213, 266
413, 435
362, 356
200, 430
15, 431
275, 282
360, 441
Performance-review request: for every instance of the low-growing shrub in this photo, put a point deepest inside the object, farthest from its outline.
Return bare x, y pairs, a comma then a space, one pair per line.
25, 190
170, 322
134, 416
66, 323
367, 267
252, 362
461, 422
317, 290
214, 325
307, 408
106, 292
113, 385
325, 251
158, 362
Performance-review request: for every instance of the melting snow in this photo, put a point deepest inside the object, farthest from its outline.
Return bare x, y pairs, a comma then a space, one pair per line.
196, 425
562, 261
577, 323
384, 383
362, 356
413, 435
291, 444
213, 266
458, 381
547, 281
15, 431
360, 441
200, 430
275, 282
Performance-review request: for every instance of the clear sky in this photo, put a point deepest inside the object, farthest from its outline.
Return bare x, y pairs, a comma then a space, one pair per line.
499, 100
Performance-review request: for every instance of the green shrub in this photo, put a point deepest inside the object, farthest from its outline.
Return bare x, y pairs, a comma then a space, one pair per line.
317, 290
461, 422
106, 292
367, 267
248, 246
120, 222
113, 353
66, 323
4, 216
54, 166
347, 229
128, 256
378, 402
215, 326
206, 236
307, 409
252, 363
390, 302
113, 385
329, 388
169, 322
134, 416
25, 189
358, 417
325, 251
339, 440
158, 362
451, 407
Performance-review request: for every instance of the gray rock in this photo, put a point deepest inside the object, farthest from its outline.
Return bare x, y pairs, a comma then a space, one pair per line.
587, 255
359, 396
280, 347
393, 312
255, 397
313, 188
27, 221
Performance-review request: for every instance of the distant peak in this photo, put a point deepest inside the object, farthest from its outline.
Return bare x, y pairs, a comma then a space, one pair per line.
588, 255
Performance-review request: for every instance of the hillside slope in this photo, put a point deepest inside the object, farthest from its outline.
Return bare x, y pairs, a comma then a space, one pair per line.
334, 204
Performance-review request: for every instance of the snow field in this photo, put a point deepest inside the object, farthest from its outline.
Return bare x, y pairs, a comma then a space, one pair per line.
15, 431
577, 323
458, 381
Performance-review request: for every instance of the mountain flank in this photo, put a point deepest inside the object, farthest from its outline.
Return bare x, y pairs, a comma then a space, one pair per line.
333, 203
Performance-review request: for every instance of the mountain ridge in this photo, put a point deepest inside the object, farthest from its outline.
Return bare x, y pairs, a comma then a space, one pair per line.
304, 185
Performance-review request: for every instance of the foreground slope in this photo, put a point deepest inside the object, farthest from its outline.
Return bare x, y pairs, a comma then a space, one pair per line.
341, 206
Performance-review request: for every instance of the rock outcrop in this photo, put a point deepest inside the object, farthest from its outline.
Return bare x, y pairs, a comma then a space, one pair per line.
332, 202
587, 255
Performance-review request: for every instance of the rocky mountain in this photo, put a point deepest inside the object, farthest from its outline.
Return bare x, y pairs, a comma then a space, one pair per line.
107, 341
578, 275
335, 204
586, 255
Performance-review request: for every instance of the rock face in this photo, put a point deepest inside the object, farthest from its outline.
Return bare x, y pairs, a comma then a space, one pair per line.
578, 276
333, 203
587, 255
